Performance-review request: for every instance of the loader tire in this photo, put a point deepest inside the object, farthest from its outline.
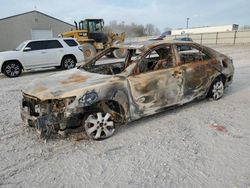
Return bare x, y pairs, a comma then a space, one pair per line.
119, 53
89, 51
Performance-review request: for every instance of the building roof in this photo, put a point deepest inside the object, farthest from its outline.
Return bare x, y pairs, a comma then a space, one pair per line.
35, 11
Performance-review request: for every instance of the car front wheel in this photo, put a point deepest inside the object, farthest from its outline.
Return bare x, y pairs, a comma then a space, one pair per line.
99, 125
68, 63
12, 69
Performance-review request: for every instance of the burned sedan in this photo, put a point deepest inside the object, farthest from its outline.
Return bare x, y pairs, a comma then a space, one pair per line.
98, 96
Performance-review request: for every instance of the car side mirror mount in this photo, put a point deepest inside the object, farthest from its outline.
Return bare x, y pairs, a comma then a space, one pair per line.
26, 49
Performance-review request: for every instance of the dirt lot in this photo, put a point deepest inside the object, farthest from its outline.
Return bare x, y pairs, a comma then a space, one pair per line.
202, 144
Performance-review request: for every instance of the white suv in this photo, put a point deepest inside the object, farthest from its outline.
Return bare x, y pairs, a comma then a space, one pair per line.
32, 54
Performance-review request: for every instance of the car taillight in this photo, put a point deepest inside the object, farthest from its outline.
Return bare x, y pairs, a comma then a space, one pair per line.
80, 48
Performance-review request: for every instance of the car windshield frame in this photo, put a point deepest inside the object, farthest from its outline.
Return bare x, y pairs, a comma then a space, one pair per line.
21, 45
97, 57
128, 60
107, 51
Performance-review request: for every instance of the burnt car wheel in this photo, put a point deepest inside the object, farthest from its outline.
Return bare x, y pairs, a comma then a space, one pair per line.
12, 69
99, 125
217, 89
68, 62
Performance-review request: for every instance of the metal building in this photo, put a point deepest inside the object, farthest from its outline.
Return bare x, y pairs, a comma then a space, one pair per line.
30, 25
207, 29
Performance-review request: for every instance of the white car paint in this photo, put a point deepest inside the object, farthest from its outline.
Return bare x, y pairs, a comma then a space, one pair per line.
42, 58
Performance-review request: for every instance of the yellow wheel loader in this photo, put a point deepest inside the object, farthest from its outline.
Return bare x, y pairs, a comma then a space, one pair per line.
90, 34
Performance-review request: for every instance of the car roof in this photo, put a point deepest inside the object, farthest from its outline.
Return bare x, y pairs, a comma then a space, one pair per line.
48, 39
142, 45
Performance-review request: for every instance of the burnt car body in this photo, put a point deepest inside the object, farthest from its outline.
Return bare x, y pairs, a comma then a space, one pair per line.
100, 96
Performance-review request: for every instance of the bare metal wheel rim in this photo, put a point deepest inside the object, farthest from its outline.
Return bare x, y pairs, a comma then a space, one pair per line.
12, 69
99, 126
69, 63
218, 89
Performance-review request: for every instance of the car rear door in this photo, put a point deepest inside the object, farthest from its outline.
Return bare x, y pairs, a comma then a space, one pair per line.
197, 70
74, 48
37, 55
154, 88
55, 52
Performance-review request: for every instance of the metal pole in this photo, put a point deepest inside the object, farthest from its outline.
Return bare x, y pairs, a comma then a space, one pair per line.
187, 25
201, 38
216, 38
187, 22
235, 36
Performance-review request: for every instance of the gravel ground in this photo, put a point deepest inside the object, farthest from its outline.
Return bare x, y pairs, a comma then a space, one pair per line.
202, 144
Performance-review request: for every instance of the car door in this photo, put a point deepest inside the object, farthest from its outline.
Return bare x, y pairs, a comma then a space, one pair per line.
55, 52
196, 66
36, 56
157, 82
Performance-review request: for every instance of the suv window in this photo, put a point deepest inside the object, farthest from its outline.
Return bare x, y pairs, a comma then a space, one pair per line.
37, 45
190, 54
70, 42
53, 44
46, 44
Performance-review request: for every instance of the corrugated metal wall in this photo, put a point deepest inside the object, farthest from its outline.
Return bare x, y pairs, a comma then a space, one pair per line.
16, 29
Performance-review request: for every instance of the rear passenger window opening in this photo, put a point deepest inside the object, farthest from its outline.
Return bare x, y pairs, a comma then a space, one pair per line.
191, 54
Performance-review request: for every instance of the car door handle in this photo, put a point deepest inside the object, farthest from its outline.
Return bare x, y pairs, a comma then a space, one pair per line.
43, 52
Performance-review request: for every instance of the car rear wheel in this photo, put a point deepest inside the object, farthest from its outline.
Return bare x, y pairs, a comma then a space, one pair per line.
12, 69
217, 89
68, 62
99, 125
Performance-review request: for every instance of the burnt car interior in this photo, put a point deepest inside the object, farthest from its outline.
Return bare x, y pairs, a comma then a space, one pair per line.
96, 65
191, 54
156, 59
161, 57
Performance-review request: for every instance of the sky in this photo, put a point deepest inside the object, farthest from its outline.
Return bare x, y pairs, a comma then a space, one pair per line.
161, 13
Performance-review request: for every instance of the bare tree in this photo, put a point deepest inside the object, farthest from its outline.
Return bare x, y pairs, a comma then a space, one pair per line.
133, 29
167, 29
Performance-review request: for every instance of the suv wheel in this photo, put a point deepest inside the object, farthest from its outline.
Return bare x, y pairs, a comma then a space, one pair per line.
68, 62
99, 125
12, 69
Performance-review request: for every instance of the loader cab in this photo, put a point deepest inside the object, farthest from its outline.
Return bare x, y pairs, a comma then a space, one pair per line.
91, 25
95, 29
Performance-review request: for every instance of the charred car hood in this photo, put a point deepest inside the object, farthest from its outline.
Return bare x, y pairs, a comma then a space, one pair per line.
65, 84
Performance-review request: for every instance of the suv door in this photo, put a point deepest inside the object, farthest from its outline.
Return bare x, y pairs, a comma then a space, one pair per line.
55, 52
196, 66
36, 56
157, 82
